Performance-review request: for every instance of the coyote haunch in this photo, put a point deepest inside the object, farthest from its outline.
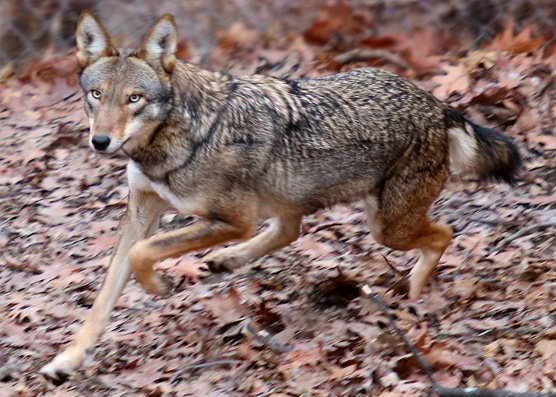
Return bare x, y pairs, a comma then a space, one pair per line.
235, 150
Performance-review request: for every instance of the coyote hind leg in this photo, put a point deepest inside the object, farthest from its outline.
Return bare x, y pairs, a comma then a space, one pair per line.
281, 232
434, 240
398, 220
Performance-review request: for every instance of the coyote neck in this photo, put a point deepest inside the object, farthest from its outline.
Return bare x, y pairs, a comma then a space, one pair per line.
199, 97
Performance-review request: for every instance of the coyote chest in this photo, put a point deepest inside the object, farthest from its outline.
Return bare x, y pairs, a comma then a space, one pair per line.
139, 181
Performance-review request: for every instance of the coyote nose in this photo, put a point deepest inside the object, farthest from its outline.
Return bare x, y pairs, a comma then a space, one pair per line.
100, 142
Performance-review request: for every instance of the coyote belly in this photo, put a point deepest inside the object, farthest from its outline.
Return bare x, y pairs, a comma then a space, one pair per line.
235, 150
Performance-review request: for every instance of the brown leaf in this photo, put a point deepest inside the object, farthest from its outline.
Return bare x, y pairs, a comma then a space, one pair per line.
338, 18
456, 79
521, 43
99, 244
343, 372
546, 348
386, 42
438, 356
239, 36
308, 355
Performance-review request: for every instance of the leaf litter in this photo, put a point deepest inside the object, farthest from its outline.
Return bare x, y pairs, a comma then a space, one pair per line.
485, 318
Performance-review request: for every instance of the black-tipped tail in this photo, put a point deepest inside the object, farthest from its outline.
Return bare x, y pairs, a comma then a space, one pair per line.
498, 155
481, 150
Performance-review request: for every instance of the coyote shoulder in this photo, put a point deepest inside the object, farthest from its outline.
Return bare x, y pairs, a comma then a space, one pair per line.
237, 150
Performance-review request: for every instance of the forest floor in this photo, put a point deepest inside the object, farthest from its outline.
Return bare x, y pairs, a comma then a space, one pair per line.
486, 317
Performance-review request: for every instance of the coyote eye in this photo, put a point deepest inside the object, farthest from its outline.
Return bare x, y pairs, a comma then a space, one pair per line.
95, 94
134, 98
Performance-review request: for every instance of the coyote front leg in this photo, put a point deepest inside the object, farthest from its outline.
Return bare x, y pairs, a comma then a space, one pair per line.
208, 232
140, 220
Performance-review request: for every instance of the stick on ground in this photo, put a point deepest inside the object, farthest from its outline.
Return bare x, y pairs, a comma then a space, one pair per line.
177, 375
436, 389
520, 233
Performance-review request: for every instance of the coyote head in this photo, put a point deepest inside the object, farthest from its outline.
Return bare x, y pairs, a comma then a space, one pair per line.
127, 94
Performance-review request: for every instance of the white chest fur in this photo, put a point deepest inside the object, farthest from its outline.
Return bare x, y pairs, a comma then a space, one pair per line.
139, 181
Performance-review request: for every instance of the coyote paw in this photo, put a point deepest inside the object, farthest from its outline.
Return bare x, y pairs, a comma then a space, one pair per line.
217, 267
55, 375
59, 369
222, 262
158, 285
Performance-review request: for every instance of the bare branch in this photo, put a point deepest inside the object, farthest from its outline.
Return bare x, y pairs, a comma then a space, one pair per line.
474, 392
520, 233
177, 375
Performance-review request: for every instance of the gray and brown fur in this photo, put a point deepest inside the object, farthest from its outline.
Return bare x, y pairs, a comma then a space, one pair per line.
237, 150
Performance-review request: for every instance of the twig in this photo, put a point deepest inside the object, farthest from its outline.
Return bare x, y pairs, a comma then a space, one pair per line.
368, 292
392, 267
474, 392
253, 328
494, 222
436, 389
368, 55
520, 233
177, 375
265, 338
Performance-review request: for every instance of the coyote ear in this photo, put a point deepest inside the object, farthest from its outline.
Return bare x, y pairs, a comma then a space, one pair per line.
92, 40
158, 47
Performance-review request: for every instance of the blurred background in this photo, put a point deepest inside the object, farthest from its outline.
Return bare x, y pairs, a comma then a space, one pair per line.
28, 28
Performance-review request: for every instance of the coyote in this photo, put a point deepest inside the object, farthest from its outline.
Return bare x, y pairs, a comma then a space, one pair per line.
236, 150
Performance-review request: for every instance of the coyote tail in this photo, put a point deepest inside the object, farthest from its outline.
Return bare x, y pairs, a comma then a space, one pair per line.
480, 150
